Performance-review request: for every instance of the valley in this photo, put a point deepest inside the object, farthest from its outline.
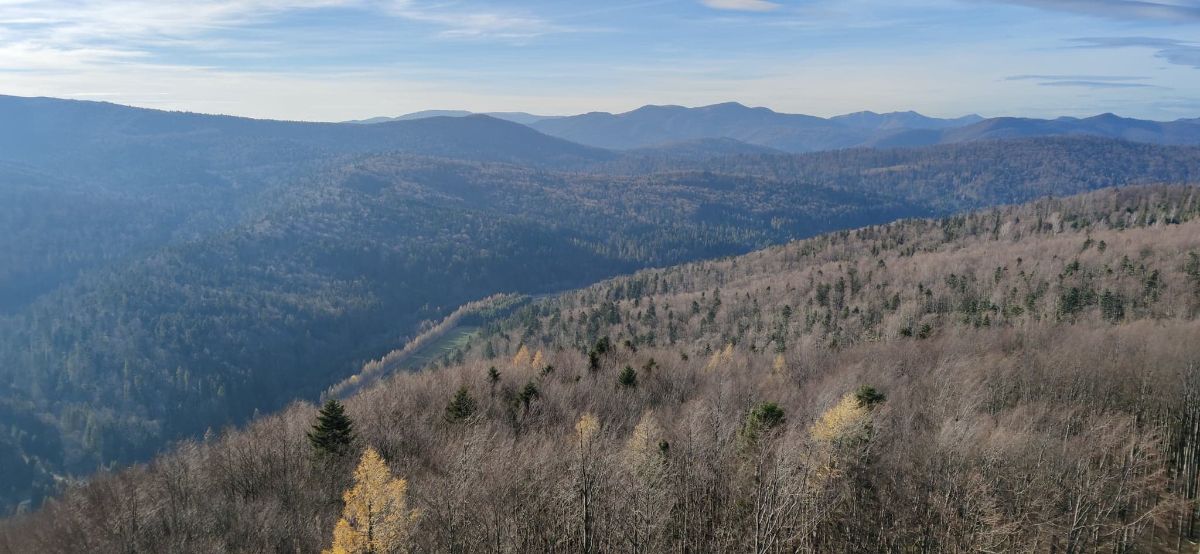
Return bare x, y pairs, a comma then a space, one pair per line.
968, 380
226, 268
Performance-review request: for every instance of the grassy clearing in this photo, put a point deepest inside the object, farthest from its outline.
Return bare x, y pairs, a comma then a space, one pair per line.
447, 344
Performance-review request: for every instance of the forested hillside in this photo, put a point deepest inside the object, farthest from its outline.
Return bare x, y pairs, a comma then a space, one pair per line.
1016, 379
144, 309
165, 273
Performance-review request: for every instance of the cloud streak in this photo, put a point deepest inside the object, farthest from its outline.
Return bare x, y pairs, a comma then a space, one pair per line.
478, 25
1095, 84
741, 5
1172, 51
57, 35
1177, 11
1074, 78
1085, 81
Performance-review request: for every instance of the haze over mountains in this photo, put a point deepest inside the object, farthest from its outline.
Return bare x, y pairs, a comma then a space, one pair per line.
655, 125
166, 273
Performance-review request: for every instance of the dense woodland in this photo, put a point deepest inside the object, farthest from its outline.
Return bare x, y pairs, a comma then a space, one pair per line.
168, 274
1012, 380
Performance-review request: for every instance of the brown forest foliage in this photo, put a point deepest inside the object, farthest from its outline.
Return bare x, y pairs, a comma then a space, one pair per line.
1036, 376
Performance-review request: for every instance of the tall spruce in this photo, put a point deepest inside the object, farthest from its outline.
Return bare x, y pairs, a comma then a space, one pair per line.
461, 407
333, 432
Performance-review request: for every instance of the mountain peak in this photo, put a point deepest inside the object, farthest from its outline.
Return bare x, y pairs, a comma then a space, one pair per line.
726, 106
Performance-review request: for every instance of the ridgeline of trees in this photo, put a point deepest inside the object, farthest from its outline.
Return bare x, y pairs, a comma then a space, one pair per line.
146, 302
1017, 379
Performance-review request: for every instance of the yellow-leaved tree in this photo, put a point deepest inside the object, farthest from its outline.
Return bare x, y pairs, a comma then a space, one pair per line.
844, 420
585, 430
844, 430
720, 358
376, 519
538, 360
522, 357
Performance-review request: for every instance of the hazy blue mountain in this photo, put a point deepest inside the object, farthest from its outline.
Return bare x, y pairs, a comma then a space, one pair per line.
902, 121
423, 114
1180, 132
112, 181
657, 126
652, 125
98, 136
515, 117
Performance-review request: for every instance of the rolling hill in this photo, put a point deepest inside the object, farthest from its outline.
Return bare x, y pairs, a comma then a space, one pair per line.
166, 273
1014, 379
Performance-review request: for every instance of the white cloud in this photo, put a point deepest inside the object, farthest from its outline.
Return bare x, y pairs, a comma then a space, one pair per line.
460, 23
741, 5
56, 35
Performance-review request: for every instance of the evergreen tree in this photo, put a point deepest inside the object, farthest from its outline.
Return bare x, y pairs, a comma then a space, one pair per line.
867, 396
627, 378
529, 393
493, 379
461, 407
334, 431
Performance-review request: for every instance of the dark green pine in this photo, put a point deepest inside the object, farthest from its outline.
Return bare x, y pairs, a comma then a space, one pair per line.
334, 431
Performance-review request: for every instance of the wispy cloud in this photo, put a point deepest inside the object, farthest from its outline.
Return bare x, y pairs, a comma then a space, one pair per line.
57, 35
61, 35
1172, 51
1160, 10
1074, 78
741, 5
460, 23
1095, 84
1085, 81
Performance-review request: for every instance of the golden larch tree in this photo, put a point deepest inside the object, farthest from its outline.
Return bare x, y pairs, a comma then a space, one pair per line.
376, 519
720, 358
522, 357
845, 419
779, 365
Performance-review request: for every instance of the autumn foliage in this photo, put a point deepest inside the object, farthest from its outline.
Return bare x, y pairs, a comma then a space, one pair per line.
926, 386
376, 518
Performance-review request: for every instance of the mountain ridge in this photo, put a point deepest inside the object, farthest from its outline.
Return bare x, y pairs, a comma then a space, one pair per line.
162, 273
867, 372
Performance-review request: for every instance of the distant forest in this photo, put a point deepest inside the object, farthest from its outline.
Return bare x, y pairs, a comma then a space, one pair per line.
164, 275
1014, 379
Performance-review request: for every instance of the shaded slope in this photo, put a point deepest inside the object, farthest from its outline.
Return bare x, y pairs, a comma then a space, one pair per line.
999, 371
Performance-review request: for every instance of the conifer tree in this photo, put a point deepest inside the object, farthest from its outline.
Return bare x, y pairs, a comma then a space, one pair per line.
376, 519
627, 378
334, 431
493, 379
461, 407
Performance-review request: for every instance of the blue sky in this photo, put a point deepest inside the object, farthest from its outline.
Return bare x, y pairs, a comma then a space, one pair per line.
347, 59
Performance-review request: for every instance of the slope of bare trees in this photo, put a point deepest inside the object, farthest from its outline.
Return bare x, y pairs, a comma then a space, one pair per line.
1024, 379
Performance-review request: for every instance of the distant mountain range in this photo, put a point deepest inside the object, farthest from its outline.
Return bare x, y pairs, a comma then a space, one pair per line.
515, 117
77, 133
162, 273
654, 126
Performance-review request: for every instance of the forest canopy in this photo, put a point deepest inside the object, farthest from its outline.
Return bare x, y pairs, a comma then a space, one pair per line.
1013, 379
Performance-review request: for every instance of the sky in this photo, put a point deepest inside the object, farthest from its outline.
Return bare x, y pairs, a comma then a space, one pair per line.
334, 60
